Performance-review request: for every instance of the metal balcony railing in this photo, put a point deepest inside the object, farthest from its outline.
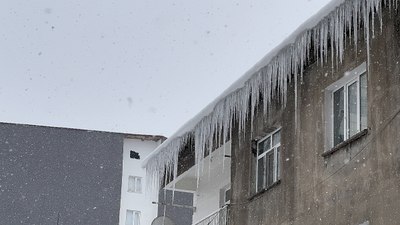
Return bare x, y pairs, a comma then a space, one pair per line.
218, 218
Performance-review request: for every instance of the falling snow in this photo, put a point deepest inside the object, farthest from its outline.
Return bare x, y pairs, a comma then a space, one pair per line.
313, 39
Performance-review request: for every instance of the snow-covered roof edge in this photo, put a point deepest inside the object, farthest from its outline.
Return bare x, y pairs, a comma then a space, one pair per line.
188, 126
273, 71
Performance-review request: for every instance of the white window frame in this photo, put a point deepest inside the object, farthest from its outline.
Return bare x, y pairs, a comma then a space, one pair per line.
276, 166
346, 129
136, 187
347, 80
135, 217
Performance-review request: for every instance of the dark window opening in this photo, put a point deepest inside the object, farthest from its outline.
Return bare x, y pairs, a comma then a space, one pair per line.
134, 155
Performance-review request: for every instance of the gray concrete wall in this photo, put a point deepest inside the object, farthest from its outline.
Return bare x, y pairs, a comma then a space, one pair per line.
59, 176
357, 183
179, 215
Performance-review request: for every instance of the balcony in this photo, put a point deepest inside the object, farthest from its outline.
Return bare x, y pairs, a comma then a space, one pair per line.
219, 217
209, 181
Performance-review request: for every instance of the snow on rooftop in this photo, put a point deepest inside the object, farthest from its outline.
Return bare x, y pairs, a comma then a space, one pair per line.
272, 72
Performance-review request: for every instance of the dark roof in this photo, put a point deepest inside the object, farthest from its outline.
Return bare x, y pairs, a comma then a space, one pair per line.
146, 137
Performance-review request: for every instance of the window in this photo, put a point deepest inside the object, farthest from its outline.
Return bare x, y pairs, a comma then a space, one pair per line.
348, 106
227, 196
134, 155
132, 217
135, 184
268, 154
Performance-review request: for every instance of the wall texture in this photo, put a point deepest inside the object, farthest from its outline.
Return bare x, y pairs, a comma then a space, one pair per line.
179, 215
359, 183
59, 176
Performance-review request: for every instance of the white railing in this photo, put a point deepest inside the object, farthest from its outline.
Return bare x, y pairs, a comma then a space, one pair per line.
217, 218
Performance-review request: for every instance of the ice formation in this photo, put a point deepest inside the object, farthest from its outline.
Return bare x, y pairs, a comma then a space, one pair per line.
325, 31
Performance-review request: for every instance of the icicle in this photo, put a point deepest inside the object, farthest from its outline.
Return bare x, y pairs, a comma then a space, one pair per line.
271, 81
223, 156
175, 174
295, 102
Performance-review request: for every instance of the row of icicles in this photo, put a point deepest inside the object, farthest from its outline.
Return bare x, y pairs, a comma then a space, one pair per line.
329, 34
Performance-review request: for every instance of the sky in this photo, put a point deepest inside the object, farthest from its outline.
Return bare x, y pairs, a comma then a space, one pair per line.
143, 67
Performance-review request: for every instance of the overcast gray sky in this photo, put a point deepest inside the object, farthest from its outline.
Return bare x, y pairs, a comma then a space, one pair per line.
128, 65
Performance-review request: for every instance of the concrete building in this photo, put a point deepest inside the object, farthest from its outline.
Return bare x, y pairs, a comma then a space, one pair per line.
314, 126
60, 176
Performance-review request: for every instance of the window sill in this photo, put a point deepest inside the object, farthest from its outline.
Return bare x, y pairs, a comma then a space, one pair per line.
345, 143
259, 193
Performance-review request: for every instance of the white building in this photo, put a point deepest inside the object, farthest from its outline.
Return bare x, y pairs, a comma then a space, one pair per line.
136, 207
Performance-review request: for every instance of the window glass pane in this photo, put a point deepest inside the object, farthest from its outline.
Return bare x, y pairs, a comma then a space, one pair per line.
338, 116
227, 195
267, 143
352, 109
260, 174
278, 162
131, 184
129, 217
139, 184
270, 168
264, 145
363, 101
276, 138
260, 147
137, 218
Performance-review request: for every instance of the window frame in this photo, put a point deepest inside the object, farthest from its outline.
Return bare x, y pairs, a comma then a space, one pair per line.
225, 199
136, 187
136, 215
346, 127
227, 196
276, 157
345, 82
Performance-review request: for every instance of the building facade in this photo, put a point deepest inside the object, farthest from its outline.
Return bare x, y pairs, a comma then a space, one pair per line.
336, 156
314, 127
137, 207
60, 176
